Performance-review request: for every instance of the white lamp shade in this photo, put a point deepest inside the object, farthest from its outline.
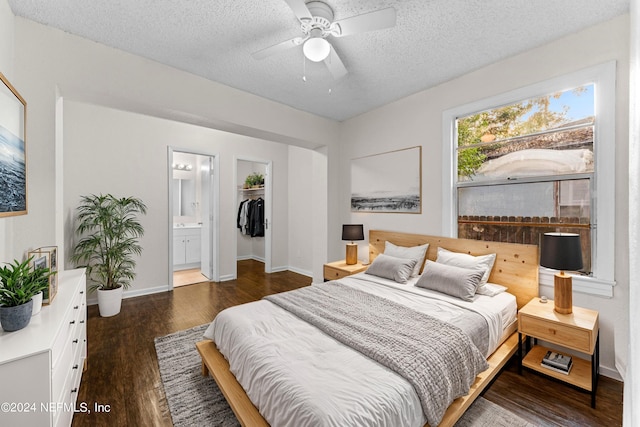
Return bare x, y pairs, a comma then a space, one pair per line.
316, 49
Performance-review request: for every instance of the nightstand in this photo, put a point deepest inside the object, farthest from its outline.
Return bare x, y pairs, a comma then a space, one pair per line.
577, 331
339, 269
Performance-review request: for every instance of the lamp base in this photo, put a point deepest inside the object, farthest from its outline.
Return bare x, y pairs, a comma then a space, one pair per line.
352, 254
562, 294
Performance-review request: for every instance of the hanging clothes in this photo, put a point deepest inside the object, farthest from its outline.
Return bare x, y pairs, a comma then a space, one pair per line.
256, 218
242, 216
250, 218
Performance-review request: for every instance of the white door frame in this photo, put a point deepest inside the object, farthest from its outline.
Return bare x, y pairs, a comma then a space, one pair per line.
268, 208
214, 211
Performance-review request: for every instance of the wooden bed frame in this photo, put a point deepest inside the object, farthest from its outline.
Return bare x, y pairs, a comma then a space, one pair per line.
516, 267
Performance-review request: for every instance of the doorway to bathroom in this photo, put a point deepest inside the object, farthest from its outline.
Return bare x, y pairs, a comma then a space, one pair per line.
192, 229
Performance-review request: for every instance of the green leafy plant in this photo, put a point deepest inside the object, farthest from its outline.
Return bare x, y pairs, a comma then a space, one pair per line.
19, 282
110, 230
254, 179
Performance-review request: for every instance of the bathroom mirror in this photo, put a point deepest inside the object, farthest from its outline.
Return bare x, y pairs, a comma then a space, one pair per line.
184, 197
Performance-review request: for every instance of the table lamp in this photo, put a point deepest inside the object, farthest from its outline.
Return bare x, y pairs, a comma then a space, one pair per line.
352, 232
561, 251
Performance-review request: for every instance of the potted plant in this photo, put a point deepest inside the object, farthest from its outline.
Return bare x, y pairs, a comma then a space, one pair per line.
18, 285
254, 180
259, 179
109, 230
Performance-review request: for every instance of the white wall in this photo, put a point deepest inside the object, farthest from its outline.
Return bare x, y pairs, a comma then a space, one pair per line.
417, 120
54, 64
300, 185
6, 39
632, 378
6, 68
123, 153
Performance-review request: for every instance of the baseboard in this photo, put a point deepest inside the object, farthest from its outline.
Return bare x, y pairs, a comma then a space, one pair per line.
132, 293
300, 271
610, 373
246, 257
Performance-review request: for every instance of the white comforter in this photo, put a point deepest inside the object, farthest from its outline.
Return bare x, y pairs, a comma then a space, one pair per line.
298, 376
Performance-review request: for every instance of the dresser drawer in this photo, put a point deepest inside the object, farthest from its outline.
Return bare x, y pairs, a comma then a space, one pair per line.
74, 316
557, 333
68, 347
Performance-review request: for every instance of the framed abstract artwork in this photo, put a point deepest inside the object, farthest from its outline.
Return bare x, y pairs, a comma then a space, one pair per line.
13, 158
388, 182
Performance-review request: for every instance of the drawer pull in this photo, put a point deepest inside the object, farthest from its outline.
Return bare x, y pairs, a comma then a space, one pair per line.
75, 341
74, 390
81, 292
73, 322
552, 331
75, 307
82, 321
75, 367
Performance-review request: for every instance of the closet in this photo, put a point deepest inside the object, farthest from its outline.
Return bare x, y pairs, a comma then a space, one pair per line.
252, 222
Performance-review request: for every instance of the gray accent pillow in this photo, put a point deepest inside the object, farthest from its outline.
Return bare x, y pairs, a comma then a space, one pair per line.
389, 267
484, 262
413, 252
451, 280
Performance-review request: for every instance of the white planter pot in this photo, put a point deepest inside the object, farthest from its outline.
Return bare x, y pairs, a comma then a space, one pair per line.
109, 301
37, 304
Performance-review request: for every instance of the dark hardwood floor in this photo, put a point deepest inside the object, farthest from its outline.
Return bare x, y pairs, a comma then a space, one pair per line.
123, 370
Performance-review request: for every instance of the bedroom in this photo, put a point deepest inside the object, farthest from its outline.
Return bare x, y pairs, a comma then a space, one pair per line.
33, 56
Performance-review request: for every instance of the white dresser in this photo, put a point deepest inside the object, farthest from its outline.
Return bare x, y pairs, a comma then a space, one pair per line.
41, 365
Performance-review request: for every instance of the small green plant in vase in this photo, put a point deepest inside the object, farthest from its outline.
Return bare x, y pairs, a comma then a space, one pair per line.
19, 283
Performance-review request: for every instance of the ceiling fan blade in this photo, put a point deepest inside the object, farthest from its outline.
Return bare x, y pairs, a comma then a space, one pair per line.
277, 48
300, 9
335, 65
377, 20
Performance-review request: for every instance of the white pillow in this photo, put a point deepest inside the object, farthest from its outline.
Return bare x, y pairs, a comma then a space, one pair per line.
389, 267
483, 262
491, 289
451, 280
415, 252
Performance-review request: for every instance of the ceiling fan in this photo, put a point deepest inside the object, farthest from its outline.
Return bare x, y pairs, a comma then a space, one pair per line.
316, 23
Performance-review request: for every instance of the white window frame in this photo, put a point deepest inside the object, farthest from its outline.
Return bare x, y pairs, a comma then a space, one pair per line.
603, 76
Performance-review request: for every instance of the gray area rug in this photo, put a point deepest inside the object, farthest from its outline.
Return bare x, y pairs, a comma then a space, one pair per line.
195, 400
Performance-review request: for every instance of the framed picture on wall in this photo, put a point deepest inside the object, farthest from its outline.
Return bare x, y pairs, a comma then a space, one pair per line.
388, 182
13, 159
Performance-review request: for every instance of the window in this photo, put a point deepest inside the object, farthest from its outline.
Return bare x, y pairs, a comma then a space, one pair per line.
530, 161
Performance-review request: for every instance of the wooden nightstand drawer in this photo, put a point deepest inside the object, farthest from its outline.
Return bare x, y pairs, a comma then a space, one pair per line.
331, 273
339, 269
567, 336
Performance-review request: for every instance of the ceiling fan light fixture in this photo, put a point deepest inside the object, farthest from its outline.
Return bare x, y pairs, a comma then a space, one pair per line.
316, 49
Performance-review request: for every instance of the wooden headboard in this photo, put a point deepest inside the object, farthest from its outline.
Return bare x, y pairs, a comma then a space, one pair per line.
516, 265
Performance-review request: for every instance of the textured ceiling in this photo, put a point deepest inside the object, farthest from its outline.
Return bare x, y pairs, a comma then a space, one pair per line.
433, 41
